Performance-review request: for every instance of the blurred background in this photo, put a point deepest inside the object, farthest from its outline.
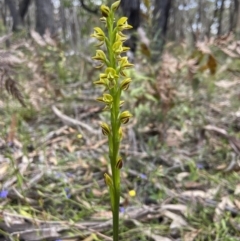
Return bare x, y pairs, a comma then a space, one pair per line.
165, 20
181, 149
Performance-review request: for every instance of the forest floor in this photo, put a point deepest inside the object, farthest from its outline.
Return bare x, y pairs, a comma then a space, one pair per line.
181, 150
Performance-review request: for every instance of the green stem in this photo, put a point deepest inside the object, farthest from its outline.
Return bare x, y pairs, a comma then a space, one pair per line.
115, 138
115, 171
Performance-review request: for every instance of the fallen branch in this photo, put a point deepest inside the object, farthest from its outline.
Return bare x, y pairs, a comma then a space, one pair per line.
72, 122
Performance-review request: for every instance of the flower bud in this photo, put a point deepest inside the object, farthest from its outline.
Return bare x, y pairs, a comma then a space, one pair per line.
125, 116
105, 11
119, 164
125, 84
120, 133
115, 6
108, 180
103, 20
121, 103
105, 129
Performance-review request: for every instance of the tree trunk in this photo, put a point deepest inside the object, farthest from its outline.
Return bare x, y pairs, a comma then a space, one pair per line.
131, 9
174, 32
160, 23
63, 21
237, 12
44, 17
220, 18
13, 8
23, 8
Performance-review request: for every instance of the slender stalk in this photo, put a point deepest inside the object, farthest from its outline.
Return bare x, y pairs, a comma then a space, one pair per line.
115, 171
115, 138
110, 79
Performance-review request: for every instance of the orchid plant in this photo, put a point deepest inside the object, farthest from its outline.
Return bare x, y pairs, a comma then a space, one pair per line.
114, 80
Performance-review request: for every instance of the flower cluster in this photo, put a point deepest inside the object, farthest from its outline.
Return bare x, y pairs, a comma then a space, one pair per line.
113, 79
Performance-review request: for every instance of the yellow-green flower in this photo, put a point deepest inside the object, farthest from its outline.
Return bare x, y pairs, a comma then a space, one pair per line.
123, 64
121, 37
117, 47
100, 55
106, 98
122, 24
101, 81
111, 73
99, 35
